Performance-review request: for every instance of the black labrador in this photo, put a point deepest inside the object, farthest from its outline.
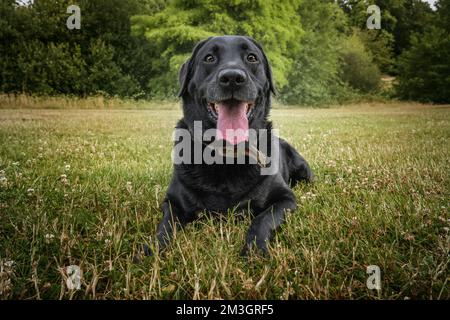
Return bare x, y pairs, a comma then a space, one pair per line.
226, 86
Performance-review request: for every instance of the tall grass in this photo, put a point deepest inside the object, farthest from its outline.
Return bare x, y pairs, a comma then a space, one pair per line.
84, 187
25, 101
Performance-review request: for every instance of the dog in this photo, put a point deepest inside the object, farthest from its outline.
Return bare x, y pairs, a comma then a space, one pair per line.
226, 85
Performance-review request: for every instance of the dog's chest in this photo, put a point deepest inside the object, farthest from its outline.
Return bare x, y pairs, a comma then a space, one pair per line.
220, 190
220, 203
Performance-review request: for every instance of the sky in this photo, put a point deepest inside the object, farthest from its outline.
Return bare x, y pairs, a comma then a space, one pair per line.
431, 2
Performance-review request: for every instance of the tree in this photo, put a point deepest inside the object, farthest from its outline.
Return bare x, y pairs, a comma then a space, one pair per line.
380, 44
40, 55
399, 20
424, 69
357, 67
412, 17
314, 77
175, 30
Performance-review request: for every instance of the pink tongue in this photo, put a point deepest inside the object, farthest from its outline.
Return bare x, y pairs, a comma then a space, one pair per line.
232, 122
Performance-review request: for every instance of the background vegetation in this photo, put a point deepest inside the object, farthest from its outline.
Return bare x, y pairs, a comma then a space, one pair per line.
321, 51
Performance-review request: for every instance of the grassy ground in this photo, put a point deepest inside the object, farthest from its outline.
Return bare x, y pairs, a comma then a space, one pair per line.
83, 187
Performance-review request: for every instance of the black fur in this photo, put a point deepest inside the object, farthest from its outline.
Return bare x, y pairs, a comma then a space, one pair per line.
219, 187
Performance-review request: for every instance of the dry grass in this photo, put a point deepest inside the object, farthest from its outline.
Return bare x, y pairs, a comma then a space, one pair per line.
23, 101
83, 187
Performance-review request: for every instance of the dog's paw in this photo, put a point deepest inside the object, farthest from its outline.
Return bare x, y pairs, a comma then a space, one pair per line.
258, 248
147, 251
245, 251
137, 258
141, 254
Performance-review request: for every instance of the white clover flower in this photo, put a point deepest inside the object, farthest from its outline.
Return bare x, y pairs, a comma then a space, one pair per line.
129, 186
67, 167
49, 237
64, 179
9, 263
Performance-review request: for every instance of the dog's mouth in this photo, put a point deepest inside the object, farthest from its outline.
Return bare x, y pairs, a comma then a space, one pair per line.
213, 107
232, 117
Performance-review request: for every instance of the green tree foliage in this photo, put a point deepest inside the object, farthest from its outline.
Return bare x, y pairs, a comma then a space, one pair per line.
379, 42
40, 55
357, 67
175, 30
412, 17
320, 51
50, 69
424, 69
399, 20
109, 21
105, 75
380, 45
314, 77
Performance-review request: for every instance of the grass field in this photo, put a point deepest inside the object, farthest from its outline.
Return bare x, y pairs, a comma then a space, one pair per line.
83, 187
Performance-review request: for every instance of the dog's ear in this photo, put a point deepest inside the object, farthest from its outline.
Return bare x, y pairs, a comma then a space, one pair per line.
186, 70
183, 77
267, 67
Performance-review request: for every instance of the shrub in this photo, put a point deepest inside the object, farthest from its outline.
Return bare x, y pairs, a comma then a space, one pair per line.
424, 69
313, 79
104, 74
357, 67
44, 68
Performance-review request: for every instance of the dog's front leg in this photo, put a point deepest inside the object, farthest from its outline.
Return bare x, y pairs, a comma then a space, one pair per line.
264, 224
172, 220
167, 225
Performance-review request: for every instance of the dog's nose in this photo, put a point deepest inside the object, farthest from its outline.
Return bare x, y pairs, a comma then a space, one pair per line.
232, 78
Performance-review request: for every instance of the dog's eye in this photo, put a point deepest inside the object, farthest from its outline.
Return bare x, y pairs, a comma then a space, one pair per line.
209, 58
252, 58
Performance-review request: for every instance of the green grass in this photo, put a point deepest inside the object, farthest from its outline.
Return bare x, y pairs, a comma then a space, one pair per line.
84, 187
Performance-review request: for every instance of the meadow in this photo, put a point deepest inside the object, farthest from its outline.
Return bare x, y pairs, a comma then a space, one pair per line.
83, 186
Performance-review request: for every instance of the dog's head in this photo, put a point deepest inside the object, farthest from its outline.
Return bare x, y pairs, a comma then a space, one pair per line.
226, 84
